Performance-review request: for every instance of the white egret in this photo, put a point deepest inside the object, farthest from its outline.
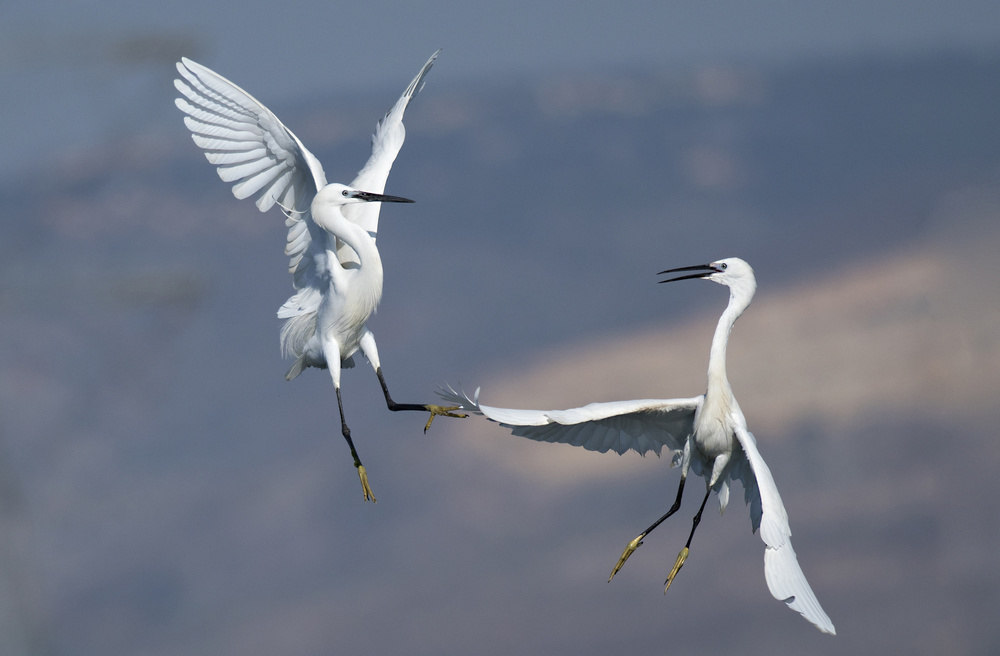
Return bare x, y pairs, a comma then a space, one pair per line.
336, 269
708, 435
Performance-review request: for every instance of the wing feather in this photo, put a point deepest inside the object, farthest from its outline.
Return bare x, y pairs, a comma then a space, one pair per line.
642, 426
386, 142
229, 132
232, 172
234, 156
210, 142
211, 116
255, 152
784, 576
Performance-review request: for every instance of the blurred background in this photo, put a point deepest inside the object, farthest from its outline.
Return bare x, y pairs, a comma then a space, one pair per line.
163, 489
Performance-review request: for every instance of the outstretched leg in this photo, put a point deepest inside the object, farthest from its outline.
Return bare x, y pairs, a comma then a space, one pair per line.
682, 556
367, 345
435, 410
636, 543
366, 488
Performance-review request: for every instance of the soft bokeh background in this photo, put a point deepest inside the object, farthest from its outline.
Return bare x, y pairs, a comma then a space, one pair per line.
163, 490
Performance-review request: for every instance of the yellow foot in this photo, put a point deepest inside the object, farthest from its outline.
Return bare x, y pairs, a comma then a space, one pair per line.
364, 484
681, 557
443, 411
629, 548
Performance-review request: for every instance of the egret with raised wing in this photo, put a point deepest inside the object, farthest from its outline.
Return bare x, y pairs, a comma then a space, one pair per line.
707, 435
335, 265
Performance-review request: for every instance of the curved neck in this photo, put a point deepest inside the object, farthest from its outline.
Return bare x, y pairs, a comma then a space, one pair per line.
717, 356
334, 223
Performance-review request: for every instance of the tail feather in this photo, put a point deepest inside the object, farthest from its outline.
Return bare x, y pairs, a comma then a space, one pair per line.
296, 332
296, 368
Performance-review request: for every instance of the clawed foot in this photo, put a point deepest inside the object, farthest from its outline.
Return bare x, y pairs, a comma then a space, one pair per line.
681, 557
364, 484
629, 548
443, 411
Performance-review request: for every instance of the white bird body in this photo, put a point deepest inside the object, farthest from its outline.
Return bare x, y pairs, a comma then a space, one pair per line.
335, 265
707, 434
352, 293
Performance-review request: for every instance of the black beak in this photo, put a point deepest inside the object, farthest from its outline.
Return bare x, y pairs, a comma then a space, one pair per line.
369, 197
704, 270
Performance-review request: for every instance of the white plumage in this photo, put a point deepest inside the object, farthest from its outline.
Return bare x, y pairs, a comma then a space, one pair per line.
706, 434
335, 266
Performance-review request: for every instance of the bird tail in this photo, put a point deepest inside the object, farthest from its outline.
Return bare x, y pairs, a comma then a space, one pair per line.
295, 333
296, 368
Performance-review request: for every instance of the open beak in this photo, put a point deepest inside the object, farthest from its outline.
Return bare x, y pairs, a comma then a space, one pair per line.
369, 197
704, 270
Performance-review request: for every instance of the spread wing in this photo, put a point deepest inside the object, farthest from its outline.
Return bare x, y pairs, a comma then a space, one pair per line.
785, 578
386, 142
643, 426
261, 157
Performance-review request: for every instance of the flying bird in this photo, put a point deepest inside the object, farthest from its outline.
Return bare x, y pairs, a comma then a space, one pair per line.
707, 435
335, 265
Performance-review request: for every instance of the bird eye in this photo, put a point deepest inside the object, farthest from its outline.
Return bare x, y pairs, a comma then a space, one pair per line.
723, 265
343, 193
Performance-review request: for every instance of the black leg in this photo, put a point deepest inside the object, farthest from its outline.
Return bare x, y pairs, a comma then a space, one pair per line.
697, 518
636, 543
674, 508
397, 407
366, 488
435, 410
682, 556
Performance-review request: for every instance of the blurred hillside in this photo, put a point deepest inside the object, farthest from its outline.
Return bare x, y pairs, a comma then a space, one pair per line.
163, 490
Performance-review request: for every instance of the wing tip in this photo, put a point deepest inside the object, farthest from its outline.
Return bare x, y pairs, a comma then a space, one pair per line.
812, 613
418, 82
460, 397
787, 582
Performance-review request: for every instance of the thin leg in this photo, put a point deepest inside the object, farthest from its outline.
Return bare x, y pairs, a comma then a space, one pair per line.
682, 556
435, 410
366, 488
636, 543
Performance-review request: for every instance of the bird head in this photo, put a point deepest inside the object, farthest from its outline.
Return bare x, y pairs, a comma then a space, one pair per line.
732, 272
338, 194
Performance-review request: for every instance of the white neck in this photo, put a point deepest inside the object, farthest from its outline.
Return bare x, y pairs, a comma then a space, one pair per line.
738, 302
333, 221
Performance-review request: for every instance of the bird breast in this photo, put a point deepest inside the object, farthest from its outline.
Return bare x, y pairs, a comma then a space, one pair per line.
713, 434
346, 308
